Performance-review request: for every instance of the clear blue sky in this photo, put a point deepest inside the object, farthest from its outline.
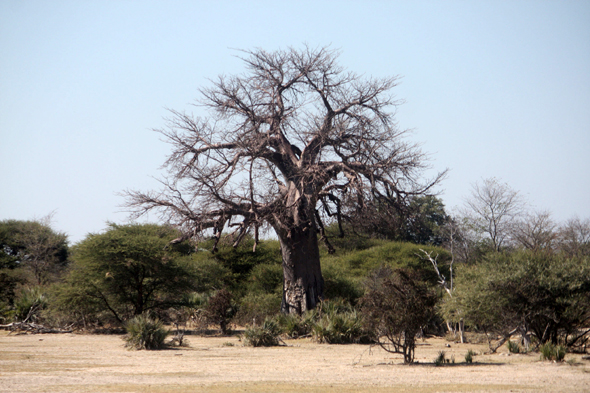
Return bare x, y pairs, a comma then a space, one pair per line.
492, 88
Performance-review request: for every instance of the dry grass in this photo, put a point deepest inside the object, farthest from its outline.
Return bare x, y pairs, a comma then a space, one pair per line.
93, 363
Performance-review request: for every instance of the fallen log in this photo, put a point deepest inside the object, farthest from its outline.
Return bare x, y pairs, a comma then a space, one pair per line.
33, 328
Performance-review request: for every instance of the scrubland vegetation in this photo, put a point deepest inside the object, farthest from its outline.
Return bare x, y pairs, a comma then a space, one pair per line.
531, 296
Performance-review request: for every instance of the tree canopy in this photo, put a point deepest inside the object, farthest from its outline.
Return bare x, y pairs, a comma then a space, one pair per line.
32, 253
127, 270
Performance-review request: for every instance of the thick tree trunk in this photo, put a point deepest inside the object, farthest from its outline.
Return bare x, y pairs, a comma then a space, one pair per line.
303, 285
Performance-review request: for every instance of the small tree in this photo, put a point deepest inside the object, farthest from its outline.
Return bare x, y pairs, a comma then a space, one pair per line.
491, 211
34, 247
396, 307
451, 314
126, 271
535, 231
574, 237
220, 309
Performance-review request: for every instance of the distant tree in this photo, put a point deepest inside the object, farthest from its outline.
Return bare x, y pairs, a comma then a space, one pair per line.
285, 142
535, 231
574, 237
491, 210
426, 220
417, 219
126, 271
397, 306
34, 247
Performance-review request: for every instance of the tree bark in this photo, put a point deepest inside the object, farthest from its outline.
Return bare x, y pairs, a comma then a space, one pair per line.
303, 285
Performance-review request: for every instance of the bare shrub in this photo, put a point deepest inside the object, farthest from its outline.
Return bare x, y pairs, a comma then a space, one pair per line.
396, 308
220, 309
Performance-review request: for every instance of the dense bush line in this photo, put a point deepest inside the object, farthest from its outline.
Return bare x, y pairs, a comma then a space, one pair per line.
376, 291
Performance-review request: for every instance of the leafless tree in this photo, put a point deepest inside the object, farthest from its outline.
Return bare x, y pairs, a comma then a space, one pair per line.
492, 210
574, 237
283, 144
535, 231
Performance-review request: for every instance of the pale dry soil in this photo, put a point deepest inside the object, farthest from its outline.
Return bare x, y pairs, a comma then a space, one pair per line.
101, 363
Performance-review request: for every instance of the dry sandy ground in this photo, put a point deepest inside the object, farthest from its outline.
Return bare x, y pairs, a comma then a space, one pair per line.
100, 363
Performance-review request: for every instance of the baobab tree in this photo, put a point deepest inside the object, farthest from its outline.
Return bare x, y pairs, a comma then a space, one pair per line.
282, 145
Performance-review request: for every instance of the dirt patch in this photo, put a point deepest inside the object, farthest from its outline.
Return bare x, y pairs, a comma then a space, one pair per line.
95, 363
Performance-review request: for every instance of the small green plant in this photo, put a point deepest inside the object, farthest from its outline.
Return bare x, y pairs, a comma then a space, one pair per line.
228, 344
335, 327
440, 359
550, 351
513, 347
469, 356
266, 335
296, 326
29, 303
145, 333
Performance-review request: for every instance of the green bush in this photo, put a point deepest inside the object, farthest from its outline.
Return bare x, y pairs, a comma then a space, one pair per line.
296, 326
28, 304
545, 294
267, 278
441, 359
513, 347
340, 285
265, 335
256, 307
469, 356
126, 270
355, 264
145, 333
550, 351
335, 327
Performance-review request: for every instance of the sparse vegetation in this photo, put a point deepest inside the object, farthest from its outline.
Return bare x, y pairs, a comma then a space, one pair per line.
396, 307
144, 332
513, 347
469, 356
265, 335
220, 309
552, 352
441, 359
345, 327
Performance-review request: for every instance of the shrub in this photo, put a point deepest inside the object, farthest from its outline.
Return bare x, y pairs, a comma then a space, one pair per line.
28, 304
220, 309
440, 359
265, 335
256, 307
335, 327
469, 356
396, 307
296, 326
513, 347
126, 271
338, 284
145, 333
267, 278
541, 293
550, 351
